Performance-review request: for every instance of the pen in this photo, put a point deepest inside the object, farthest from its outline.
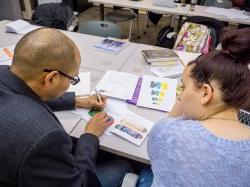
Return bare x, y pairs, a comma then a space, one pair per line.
98, 96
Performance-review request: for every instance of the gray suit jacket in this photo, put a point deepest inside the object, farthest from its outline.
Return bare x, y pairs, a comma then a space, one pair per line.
35, 150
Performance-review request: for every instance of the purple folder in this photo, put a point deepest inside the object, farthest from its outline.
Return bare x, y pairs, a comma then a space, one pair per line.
136, 93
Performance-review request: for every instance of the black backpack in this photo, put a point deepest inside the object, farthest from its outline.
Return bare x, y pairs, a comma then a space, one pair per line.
55, 15
163, 39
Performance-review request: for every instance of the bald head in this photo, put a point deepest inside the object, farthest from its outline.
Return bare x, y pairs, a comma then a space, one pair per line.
45, 48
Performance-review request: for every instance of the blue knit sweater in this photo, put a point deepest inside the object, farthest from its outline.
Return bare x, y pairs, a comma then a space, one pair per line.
184, 153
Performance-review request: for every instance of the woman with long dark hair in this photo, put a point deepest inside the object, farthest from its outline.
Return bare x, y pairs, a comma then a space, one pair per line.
203, 143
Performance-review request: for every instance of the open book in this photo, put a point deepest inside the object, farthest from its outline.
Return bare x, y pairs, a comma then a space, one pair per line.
152, 92
20, 27
111, 45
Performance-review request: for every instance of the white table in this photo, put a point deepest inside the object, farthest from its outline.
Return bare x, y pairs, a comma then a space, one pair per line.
93, 61
146, 5
201, 11
68, 120
136, 64
115, 144
97, 60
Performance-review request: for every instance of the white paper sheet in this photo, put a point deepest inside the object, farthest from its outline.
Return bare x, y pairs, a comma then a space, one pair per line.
48, 1
114, 107
230, 13
168, 71
20, 27
118, 84
83, 87
186, 57
157, 93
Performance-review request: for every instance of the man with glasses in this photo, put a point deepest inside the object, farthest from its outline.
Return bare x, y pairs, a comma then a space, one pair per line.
35, 150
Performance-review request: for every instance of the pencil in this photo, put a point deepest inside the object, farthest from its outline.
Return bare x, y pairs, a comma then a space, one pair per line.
98, 96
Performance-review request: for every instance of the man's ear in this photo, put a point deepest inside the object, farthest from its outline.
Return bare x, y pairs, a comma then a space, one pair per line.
207, 94
51, 78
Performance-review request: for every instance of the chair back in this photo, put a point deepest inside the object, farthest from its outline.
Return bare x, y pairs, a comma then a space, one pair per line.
244, 117
101, 28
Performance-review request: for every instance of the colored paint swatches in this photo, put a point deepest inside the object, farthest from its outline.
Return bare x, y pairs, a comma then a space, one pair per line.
157, 93
129, 131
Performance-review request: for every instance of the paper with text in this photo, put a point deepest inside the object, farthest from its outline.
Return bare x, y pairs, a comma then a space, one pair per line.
118, 84
168, 71
186, 57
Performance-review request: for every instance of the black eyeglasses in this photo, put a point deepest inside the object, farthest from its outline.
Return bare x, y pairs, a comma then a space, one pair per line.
74, 80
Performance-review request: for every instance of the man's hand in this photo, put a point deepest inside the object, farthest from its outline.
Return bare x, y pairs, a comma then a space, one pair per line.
98, 123
91, 102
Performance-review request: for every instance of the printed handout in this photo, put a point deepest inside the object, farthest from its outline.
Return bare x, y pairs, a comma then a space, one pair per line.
118, 84
157, 93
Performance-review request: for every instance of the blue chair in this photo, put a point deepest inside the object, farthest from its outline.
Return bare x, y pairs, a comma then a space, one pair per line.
101, 28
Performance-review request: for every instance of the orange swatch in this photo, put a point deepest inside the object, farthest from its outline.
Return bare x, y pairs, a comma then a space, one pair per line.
8, 52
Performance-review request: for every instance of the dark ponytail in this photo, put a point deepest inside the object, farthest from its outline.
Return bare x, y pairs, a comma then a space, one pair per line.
237, 44
228, 67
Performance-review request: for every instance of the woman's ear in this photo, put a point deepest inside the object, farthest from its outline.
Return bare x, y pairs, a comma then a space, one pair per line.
51, 78
207, 94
